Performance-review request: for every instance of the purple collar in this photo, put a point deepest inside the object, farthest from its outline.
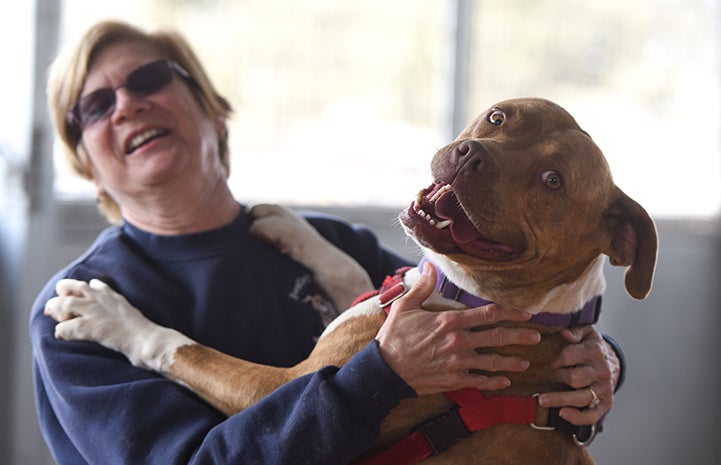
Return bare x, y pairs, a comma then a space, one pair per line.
587, 315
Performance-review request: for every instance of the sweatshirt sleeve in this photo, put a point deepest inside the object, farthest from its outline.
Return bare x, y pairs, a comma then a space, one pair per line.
94, 407
621, 360
329, 417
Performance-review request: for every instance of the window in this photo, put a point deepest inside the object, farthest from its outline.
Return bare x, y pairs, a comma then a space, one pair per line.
641, 77
341, 102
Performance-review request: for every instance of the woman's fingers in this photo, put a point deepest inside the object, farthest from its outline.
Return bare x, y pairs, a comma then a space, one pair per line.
440, 351
589, 366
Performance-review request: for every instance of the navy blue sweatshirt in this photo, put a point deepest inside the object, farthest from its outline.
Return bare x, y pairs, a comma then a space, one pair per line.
228, 290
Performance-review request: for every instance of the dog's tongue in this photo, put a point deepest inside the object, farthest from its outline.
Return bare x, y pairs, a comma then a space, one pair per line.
462, 230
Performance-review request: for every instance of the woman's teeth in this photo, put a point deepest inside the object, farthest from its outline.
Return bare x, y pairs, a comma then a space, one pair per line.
142, 138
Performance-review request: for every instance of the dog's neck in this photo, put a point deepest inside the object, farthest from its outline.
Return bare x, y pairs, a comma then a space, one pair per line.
563, 298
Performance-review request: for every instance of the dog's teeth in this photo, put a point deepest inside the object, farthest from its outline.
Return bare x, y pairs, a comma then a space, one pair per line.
439, 192
429, 218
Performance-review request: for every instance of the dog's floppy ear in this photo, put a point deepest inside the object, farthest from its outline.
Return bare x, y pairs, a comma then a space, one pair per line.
633, 243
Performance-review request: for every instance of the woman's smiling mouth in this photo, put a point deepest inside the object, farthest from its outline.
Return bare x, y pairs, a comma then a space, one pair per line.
143, 138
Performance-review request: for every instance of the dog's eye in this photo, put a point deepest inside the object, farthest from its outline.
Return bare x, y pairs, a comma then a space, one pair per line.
551, 179
497, 117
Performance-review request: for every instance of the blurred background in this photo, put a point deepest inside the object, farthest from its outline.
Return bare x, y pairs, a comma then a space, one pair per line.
339, 106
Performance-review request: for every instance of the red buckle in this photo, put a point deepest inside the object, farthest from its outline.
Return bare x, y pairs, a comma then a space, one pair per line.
393, 288
390, 295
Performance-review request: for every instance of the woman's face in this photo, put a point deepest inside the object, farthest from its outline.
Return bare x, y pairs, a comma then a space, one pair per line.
149, 144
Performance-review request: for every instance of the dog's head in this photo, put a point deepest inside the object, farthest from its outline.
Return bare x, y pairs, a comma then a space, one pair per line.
523, 202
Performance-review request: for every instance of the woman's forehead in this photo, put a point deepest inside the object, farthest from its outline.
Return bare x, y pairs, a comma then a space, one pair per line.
112, 63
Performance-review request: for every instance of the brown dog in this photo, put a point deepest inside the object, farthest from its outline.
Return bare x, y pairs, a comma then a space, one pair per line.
521, 212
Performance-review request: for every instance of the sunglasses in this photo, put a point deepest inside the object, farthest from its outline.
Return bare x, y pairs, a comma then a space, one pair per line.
141, 82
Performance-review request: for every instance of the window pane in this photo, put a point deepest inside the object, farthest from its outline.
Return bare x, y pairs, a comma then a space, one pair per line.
346, 101
641, 77
335, 102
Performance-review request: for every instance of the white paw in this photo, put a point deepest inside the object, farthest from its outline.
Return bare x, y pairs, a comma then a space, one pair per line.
287, 231
90, 311
340, 276
94, 312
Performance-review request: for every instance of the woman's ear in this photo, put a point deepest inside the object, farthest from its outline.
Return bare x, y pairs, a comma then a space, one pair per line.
82, 164
221, 126
88, 172
99, 191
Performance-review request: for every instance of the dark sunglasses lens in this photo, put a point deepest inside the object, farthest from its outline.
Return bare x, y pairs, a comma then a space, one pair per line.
149, 79
142, 82
95, 106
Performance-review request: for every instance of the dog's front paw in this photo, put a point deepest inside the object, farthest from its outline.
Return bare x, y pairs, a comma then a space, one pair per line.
288, 232
93, 312
340, 276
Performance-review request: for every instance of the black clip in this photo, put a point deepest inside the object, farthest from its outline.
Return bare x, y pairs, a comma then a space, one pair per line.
582, 435
444, 430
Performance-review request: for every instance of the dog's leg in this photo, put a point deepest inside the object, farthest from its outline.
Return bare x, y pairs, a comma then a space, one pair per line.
340, 276
94, 312
232, 385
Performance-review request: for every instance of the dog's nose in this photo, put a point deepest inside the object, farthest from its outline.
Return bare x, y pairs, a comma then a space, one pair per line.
467, 155
471, 154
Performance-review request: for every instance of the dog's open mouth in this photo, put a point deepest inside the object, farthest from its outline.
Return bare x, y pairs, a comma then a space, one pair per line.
438, 220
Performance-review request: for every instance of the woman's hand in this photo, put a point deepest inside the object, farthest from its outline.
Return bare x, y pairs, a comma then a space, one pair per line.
590, 366
434, 351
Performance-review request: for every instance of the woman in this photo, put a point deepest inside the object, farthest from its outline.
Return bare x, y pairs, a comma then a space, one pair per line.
139, 118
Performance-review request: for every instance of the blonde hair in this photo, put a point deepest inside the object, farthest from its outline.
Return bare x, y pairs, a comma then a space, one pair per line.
70, 69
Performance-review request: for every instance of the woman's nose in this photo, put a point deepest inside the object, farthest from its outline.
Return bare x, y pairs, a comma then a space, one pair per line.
127, 105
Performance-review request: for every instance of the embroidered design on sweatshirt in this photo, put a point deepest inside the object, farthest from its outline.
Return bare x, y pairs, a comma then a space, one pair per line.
307, 291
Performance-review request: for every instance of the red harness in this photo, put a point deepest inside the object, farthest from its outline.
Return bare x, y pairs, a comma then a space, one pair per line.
473, 410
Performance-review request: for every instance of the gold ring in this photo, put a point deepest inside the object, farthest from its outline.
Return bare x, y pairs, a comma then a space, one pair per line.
594, 399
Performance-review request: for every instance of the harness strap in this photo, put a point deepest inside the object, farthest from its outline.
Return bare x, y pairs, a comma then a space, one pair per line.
474, 411
480, 411
412, 449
